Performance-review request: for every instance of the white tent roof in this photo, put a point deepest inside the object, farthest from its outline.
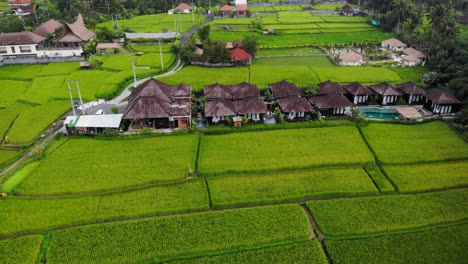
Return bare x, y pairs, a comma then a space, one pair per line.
104, 121
168, 35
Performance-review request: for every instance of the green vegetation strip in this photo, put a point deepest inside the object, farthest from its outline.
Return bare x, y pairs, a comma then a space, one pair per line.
84, 165
441, 245
282, 149
137, 241
22, 250
250, 189
22, 215
18, 177
399, 144
428, 177
367, 215
379, 178
302, 252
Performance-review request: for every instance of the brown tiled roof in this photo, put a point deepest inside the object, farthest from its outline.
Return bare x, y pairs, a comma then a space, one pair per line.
183, 6
284, 89
356, 88
330, 101
239, 54
351, 56
411, 58
410, 88
226, 8
347, 9
295, 104
232, 92
48, 27
384, 89
442, 98
220, 108
329, 87
414, 52
20, 38
78, 29
241, 8
250, 106
394, 42
155, 99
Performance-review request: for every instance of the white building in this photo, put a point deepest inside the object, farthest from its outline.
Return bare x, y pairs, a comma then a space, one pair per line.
240, 2
19, 43
351, 58
393, 44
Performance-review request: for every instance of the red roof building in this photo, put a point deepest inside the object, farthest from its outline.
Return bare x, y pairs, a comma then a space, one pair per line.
241, 10
226, 10
184, 8
240, 56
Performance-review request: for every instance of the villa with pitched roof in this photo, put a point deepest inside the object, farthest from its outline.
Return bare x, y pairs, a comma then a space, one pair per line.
291, 101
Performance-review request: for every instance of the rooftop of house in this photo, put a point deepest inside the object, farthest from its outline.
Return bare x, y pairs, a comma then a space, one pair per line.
394, 42
351, 56
183, 6
347, 9
410, 88
241, 8
295, 105
414, 52
356, 88
48, 27
77, 31
231, 92
330, 101
226, 8
108, 46
239, 54
329, 87
284, 89
20, 38
384, 89
442, 97
223, 107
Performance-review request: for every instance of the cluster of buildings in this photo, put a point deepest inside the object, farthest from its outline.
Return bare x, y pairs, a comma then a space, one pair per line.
34, 44
158, 105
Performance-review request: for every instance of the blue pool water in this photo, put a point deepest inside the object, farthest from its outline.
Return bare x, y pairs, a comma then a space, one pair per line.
379, 113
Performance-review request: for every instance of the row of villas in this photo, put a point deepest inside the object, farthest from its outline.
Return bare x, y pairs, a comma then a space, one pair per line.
155, 104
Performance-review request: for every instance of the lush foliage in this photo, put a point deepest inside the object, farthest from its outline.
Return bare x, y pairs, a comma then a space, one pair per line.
22, 250
426, 177
282, 149
73, 168
20, 215
441, 245
354, 216
396, 144
173, 235
258, 188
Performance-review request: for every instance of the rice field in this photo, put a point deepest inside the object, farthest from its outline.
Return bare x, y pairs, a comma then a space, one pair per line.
283, 186
339, 218
11, 90
20, 250
399, 144
282, 149
427, 177
73, 168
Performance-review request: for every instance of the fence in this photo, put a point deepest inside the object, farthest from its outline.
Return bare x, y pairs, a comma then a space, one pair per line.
38, 60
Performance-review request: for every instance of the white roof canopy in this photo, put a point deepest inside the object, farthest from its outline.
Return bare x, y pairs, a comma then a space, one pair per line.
168, 35
101, 121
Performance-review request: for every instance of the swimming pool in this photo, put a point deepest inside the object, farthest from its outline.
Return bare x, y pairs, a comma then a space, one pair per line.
379, 113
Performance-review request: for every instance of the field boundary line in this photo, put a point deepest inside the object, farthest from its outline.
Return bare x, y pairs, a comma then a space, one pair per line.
317, 232
208, 193
42, 256
197, 154
377, 160
424, 162
229, 251
399, 231
372, 179
184, 212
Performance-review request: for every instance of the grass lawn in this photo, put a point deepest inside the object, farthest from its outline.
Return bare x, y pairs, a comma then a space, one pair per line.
34, 120
302, 252
399, 144
427, 177
72, 168
282, 149
61, 68
21, 215
45, 88
11, 90
441, 245
313, 61
172, 236
119, 62
20, 71
258, 188
20, 250
355, 74
357, 216
412, 74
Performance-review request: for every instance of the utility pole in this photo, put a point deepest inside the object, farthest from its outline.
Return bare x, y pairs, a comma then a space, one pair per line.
134, 70
75, 102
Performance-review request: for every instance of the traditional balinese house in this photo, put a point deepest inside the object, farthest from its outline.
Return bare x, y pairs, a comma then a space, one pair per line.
22, 8
241, 57
412, 93
154, 104
347, 10
358, 93
290, 100
442, 103
19, 44
330, 87
393, 44
241, 10
76, 34
226, 10
332, 104
388, 94
350, 58
233, 100
183, 8
108, 48
413, 56
410, 60
92, 123
48, 27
